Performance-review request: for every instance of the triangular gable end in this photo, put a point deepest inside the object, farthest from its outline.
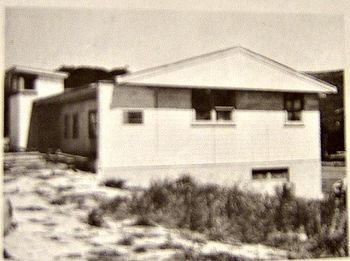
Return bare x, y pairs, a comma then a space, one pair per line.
234, 68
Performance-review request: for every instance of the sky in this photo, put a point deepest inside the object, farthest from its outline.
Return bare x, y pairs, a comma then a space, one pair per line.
141, 38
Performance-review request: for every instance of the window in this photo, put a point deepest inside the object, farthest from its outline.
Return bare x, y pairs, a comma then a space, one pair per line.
201, 102
278, 173
66, 126
133, 117
92, 124
75, 130
29, 84
293, 104
25, 83
213, 105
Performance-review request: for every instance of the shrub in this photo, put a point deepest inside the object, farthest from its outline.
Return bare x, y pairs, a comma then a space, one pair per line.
95, 218
143, 221
234, 215
170, 245
140, 249
115, 183
126, 241
58, 201
116, 205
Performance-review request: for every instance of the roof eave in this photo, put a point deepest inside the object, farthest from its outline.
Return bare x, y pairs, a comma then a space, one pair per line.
326, 89
39, 72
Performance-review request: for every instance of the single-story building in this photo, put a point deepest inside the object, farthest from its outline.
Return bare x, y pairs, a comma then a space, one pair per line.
227, 117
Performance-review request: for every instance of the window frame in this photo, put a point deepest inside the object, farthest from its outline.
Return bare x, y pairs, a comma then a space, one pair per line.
75, 126
214, 107
92, 126
293, 98
126, 117
271, 173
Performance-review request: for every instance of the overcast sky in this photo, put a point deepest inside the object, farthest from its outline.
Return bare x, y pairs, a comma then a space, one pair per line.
48, 38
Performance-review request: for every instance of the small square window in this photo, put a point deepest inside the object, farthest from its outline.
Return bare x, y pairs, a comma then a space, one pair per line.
203, 115
223, 113
133, 117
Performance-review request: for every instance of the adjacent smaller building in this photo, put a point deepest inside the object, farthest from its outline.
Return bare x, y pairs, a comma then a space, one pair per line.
23, 86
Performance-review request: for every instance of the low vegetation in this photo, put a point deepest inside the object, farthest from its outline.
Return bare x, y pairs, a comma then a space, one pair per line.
115, 183
306, 228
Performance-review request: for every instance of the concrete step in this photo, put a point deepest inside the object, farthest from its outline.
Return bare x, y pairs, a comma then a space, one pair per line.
31, 160
22, 156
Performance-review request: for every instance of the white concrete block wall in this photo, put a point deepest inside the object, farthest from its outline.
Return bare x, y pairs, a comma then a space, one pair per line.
46, 86
105, 126
14, 123
20, 116
168, 136
168, 144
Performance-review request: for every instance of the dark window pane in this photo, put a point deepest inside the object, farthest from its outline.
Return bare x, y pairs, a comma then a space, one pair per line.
289, 105
201, 100
294, 105
223, 98
75, 126
296, 116
66, 126
29, 84
224, 115
203, 115
278, 173
92, 124
133, 117
259, 175
297, 105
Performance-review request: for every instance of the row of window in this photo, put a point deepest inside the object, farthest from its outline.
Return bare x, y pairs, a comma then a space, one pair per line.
71, 125
218, 105
209, 105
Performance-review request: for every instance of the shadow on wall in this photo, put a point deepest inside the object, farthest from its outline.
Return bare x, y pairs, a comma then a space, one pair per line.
44, 128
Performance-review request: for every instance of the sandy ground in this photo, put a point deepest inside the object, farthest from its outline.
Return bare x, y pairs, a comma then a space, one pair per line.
48, 231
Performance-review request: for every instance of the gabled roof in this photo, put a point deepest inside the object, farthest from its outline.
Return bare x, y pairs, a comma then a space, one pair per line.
35, 71
232, 68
